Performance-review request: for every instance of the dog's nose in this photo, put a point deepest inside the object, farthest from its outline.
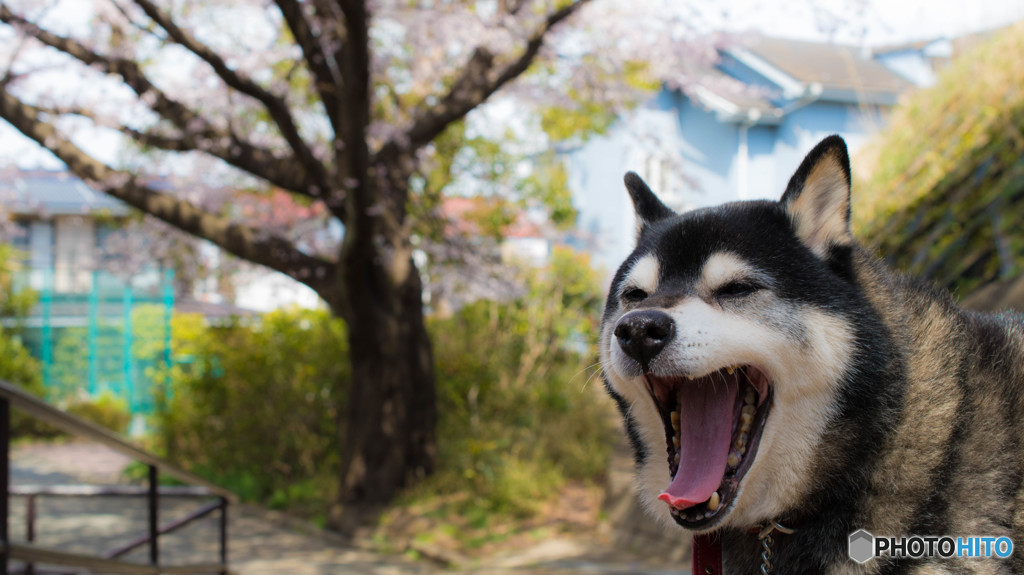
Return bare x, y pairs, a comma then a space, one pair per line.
642, 334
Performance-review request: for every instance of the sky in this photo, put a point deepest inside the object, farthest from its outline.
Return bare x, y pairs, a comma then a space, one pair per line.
877, 22
902, 20
884, 21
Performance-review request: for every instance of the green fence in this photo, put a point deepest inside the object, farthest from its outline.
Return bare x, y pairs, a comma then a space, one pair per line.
97, 333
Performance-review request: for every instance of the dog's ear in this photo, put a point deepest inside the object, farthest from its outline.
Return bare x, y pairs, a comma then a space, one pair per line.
817, 198
649, 208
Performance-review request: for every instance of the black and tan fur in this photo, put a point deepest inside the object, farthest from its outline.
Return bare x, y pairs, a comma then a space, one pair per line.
914, 407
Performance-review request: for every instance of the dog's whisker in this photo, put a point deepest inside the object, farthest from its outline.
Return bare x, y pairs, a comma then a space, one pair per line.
575, 375
596, 364
600, 369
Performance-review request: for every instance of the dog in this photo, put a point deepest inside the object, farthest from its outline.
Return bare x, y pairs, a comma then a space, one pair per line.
776, 378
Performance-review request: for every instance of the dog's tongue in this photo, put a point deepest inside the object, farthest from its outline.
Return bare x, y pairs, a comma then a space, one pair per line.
705, 431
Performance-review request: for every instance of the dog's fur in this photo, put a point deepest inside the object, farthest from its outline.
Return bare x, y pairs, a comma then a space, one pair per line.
892, 409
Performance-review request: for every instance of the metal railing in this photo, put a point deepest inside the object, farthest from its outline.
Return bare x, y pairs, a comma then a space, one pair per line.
31, 554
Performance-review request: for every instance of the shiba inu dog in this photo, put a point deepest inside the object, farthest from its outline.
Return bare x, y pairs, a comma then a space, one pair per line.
769, 369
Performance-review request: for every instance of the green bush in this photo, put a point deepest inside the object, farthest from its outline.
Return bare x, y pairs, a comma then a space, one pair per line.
255, 407
18, 365
107, 410
944, 198
21, 369
14, 304
516, 416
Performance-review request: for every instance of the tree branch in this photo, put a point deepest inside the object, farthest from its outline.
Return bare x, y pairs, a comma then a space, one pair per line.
271, 251
129, 71
474, 85
274, 104
197, 132
325, 80
257, 161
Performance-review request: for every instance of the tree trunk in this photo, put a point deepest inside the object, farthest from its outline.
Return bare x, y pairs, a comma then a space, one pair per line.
389, 431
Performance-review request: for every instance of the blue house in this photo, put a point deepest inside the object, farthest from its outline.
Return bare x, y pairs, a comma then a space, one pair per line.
93, 331
743, 132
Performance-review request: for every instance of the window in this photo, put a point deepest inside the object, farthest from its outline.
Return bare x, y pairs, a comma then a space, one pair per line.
664, 174
20, 237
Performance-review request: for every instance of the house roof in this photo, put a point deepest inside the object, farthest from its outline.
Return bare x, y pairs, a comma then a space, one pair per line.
837, 68
723, 92
798, 72
960, 44
53, 193
905, 46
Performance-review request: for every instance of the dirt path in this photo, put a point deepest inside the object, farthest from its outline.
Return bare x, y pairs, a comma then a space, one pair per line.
261, 542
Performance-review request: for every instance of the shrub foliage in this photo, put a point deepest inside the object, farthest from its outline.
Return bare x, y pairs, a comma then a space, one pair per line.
256, 406
946, 195
518, 417
18, 365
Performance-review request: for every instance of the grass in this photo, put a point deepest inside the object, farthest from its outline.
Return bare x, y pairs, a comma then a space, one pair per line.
470, 527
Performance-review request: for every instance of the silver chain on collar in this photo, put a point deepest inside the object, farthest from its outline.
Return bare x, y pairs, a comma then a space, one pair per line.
766, 544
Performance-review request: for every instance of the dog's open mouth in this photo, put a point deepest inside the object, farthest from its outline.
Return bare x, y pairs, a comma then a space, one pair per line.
713, 425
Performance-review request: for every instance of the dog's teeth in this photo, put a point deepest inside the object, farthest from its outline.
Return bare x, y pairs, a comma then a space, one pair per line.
690, 377
729, 370
675, 442
713, 502
677, 459
740, 444
746, 419
675, 419
734, 459
751, 396
749, 410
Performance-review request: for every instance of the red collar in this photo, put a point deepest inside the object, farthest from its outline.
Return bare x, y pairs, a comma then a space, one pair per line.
706, 552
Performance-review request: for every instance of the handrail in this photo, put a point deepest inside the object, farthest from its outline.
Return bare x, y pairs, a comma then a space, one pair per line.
37, 554
11, 395
108, 490
166, 528
43, 411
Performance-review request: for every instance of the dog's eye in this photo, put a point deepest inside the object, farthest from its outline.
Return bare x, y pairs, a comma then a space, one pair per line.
736, 289
634, 295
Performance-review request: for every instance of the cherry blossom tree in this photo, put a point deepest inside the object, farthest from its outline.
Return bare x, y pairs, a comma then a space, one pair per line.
327, 110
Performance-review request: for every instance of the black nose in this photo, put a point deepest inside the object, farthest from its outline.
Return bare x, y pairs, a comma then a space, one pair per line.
642, 334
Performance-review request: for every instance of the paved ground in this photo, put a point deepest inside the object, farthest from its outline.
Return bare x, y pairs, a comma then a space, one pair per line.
261, 542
